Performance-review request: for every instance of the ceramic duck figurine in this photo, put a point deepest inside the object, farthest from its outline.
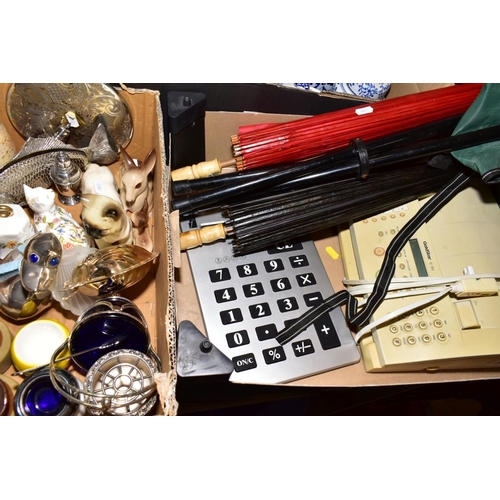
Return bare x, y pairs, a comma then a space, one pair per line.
49, 217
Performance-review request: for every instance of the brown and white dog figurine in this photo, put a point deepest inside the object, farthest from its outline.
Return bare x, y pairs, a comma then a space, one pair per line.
103, 215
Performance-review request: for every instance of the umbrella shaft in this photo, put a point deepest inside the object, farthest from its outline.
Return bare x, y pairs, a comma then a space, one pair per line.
421, 149
434, 129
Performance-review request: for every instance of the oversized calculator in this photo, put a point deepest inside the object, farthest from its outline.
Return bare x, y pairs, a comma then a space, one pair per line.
245, 301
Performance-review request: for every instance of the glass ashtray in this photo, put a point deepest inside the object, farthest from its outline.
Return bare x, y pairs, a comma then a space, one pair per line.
110, 270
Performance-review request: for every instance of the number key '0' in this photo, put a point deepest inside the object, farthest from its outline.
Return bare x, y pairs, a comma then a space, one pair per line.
235, 339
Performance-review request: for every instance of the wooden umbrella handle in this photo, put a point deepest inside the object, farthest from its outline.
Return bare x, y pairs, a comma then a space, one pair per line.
198, 237
201, 170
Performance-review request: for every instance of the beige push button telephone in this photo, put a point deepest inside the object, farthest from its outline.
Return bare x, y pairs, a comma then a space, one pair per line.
455, 259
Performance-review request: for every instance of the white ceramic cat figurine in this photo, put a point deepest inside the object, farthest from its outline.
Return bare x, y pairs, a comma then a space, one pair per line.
49, 217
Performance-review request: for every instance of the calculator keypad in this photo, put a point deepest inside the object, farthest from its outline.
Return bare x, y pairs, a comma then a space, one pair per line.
245, 301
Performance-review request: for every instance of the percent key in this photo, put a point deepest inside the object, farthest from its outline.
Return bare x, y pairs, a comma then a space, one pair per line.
274, 355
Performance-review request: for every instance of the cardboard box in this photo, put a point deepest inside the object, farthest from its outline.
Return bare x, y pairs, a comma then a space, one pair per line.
219, 127
154, 295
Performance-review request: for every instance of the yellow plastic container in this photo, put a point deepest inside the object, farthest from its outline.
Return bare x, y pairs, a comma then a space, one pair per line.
35, 343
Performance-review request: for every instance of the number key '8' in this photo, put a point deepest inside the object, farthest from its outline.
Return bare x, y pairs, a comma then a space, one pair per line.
247, 270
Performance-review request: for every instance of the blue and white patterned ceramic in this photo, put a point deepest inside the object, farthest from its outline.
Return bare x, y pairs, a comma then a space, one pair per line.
366, 90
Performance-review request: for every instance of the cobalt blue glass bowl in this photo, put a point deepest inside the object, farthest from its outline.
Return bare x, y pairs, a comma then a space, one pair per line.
108, 325
37, 397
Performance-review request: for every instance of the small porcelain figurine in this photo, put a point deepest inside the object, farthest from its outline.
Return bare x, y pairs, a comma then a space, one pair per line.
103, 215
136, 182
105, 220
15, 228
99, 179
49, 217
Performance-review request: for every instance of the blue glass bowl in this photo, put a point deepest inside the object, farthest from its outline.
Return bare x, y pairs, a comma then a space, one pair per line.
108, 325
37, 397
115, 303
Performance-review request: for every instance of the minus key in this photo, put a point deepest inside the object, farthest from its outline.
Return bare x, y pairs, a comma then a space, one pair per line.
313, 299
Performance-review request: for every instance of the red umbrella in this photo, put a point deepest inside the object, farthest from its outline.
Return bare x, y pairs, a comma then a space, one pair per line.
307, 138
317, 135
